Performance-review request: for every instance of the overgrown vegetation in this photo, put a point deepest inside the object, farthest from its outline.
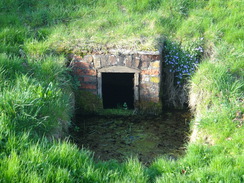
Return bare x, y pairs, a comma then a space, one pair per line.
179, 64
35, 89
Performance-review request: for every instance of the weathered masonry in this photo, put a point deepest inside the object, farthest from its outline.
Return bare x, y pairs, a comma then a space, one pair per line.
121, 78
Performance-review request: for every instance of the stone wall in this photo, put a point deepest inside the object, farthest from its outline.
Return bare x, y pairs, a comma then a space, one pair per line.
147, 64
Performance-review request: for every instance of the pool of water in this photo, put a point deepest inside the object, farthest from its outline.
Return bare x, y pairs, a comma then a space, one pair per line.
145, 137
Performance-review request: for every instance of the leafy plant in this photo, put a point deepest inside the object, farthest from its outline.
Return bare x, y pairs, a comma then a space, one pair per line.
182, 60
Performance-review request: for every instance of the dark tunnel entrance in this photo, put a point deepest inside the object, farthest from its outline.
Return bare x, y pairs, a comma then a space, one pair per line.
118, 90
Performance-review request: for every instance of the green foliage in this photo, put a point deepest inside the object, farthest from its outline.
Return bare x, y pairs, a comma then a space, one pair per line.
116, 112
28, 99
182, 61
87, 103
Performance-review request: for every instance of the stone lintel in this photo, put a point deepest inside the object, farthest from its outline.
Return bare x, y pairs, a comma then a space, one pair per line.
119, 69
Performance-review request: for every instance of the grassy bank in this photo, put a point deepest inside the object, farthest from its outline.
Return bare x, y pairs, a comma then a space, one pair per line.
36, 89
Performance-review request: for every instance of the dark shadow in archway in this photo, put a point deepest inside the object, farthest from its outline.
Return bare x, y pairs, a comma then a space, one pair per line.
118, 90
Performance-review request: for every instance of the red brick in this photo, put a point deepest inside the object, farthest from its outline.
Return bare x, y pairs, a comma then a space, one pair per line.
150, 72
82, 65
81, 79
76, 64
77, 71
89, 79
88, 86
87, 72
77, 57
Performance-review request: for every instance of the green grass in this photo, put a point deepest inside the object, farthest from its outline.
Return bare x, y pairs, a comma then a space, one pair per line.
30, 92
36, 89
116, 112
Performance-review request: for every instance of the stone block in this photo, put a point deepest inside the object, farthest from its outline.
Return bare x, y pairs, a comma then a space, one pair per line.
144, 86
88, 58
148, 57
121, 60
136, 62
104, 60
155, 79
145, 79
145, 93
145, 58
144, 65
128, 61
112, 60
155, 57
155, 64
97, 61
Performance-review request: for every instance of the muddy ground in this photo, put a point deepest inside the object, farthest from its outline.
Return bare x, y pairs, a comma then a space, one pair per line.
146, 137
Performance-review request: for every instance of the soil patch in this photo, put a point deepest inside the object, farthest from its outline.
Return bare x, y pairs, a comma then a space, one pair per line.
147, 137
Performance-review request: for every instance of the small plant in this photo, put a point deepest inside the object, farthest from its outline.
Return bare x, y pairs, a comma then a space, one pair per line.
125, 107
76, 129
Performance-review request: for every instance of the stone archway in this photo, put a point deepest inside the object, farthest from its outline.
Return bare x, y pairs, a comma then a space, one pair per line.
144, 65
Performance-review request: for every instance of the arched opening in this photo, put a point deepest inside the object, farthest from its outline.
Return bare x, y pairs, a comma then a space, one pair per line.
118, 90
118, 87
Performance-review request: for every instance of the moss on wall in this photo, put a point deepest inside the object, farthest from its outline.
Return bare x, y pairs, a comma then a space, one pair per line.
87, 103
149, 107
